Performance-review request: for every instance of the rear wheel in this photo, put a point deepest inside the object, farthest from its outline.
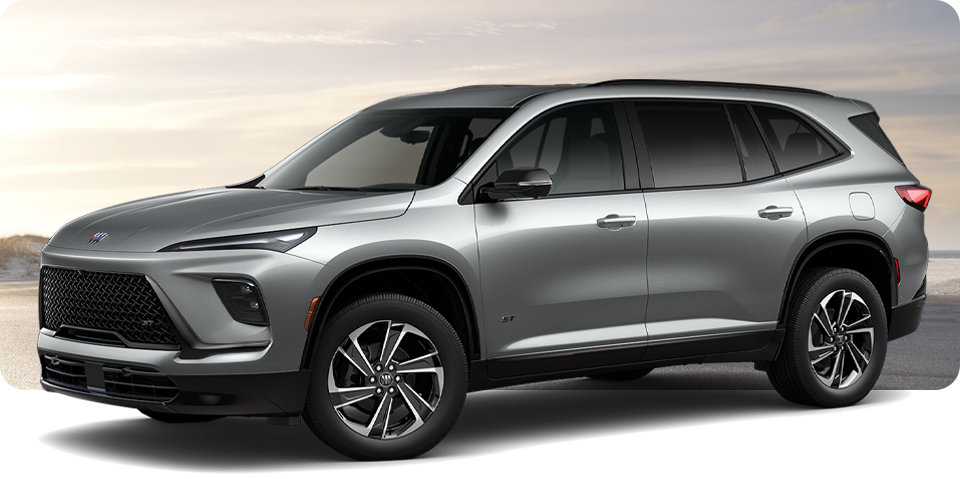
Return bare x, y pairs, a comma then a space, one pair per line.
389, 379
836, 340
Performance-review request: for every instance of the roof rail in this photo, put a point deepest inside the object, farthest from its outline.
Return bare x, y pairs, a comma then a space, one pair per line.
751, 86
480, 87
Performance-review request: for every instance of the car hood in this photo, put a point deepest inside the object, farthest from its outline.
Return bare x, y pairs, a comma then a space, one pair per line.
154, 223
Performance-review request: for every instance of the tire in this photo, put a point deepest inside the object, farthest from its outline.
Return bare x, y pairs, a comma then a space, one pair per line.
817, 367
623, 375
367, 414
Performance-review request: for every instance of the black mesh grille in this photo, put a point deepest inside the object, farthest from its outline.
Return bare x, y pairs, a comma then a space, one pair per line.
123, 303
141, 384
65, 372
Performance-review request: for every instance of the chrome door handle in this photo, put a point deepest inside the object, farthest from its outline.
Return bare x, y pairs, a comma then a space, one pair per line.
615, 222
775, 212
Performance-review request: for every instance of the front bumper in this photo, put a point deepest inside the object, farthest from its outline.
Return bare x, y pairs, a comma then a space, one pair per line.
221, 367
211, 342
273, 394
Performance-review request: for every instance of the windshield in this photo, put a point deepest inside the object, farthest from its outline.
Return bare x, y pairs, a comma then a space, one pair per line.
388, 151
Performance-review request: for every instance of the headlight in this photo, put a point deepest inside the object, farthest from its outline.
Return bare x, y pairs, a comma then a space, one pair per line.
281, 241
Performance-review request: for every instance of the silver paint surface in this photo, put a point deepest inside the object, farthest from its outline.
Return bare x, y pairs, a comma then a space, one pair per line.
697, 261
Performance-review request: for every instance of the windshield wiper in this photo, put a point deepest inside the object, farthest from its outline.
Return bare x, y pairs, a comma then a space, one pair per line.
324, 188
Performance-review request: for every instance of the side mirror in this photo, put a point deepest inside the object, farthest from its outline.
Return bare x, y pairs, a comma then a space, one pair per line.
519, 183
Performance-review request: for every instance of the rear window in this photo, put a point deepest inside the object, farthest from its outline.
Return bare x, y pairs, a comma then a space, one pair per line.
794, 142
869, 124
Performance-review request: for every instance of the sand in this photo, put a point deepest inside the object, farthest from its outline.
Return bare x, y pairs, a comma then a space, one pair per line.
943, 276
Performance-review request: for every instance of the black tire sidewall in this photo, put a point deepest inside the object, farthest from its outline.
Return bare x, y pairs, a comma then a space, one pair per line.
809, 299
452, 358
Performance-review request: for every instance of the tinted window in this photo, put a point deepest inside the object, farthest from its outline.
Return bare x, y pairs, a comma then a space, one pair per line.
869, 124
795, 144
756, 160
578, 146
690, 144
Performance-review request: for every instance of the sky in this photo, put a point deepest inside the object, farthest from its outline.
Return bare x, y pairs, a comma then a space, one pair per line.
103, 102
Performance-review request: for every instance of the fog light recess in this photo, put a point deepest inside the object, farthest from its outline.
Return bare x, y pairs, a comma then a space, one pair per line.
242, 299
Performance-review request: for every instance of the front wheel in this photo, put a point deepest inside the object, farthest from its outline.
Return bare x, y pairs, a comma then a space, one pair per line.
836, 340
389, 379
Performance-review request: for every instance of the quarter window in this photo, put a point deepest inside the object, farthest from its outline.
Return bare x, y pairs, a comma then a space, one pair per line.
756, 160
794, 142
578, 146
690, 144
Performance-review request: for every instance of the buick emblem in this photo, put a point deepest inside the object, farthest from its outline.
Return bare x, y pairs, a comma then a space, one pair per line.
96, 238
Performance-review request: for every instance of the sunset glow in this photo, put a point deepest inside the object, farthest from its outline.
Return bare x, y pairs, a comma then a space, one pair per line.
103, 102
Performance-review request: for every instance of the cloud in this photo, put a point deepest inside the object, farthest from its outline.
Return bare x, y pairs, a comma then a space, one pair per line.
76, 168
486, 68
49, 82
771, 25
228, 39
845, 11
491, 28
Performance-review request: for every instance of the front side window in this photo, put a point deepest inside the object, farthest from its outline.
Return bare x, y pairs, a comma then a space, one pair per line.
794, 142
389, 151
577, 145
690, 144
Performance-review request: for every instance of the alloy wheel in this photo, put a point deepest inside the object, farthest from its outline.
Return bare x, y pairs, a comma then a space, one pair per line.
840, 343
385, 379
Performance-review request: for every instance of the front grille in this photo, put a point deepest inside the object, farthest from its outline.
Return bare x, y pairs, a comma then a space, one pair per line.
141, 384
66, 372
122, 303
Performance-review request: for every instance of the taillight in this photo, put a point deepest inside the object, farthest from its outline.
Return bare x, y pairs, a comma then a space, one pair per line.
915, 196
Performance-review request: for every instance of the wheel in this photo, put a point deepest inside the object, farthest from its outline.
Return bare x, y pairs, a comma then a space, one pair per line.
836, 340
389, 379
623, 375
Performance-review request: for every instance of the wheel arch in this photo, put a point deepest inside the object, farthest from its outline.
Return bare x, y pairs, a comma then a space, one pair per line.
453, 300
858, 250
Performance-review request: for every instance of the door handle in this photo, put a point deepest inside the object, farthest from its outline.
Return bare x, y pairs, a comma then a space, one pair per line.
775, 212
615, 222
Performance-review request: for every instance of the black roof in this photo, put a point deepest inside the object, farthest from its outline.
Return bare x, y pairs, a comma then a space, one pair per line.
720, 84
507, 96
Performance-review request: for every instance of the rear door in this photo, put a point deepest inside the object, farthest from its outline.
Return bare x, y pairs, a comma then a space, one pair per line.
724, 228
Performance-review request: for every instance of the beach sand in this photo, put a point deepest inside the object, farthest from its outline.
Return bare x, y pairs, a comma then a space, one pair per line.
943, 276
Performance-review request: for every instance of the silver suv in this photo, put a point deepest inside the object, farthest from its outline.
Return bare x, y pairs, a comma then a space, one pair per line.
485, 236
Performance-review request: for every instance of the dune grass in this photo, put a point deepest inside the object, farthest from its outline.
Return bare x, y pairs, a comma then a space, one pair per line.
25, 248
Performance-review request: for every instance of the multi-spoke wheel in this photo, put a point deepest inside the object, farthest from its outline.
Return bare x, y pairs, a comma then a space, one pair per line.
835, 342
840, 342
389, 379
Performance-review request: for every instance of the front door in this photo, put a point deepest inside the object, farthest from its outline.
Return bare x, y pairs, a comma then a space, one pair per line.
565, 273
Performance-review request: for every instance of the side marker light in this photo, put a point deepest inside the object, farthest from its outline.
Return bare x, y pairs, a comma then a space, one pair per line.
310, 312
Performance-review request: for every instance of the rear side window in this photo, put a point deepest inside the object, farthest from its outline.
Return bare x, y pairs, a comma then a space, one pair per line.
869, 124
794, 142
690, 144
756, 160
